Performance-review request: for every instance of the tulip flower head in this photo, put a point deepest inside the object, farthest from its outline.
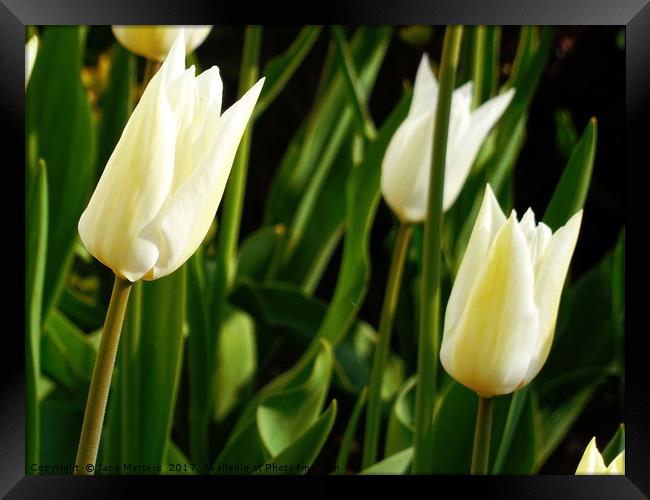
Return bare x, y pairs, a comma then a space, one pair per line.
154, 42
592, 462
406, 167
31, 49
162, 185
501, 314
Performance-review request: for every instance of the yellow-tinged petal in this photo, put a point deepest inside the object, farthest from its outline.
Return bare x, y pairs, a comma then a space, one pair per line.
154, 42
489, 220
592, 461
488, 349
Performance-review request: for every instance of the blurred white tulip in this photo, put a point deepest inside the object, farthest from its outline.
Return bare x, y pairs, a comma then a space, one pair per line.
154, 42
406, 167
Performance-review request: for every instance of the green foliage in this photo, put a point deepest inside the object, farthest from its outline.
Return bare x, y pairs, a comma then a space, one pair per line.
275, 373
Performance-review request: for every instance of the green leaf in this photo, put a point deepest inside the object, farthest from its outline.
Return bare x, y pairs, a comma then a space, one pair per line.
281, 68
61, 418
278, 416
36, 233
314, 250
300, 178
615, 446
283, 416
151, 350
177, 459
243, 451
571, 191
515, 411
582, 357
350, 430
68, 354
454, 425
362, 198
82, 310
256, 252
399, 435
201, 352
300, 455
58, 116
356, 96
400, 463
566, 136
236, 363
115, 104
284, 311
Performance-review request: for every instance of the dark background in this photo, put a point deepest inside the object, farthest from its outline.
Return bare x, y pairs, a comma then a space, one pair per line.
584, 74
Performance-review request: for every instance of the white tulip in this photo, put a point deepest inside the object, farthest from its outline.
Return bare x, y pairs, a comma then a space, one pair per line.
501, 314
161, 187
154, 42
592, 462
31, 49
406, 167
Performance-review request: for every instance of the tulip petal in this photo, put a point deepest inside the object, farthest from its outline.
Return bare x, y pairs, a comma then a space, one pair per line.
185, 220
538, 237
489, 220
425, 89
490, 350
406, 168
552, 269
466, 137
136, 180
592, 461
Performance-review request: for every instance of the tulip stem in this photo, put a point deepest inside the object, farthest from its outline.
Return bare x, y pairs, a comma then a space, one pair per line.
91, 429
429, 335
373, 415
478, 66
481, 453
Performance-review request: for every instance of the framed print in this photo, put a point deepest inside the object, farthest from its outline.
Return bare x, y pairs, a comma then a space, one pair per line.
356, 240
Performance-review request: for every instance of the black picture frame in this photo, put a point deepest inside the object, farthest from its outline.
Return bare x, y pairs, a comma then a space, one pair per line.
633, 14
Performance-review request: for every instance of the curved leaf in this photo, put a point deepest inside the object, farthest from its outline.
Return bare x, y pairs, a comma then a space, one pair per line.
300, 455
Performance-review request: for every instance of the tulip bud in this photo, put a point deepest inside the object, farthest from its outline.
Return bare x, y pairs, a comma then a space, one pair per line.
592, 462
154, 42
501, 314
406, 167
161, 187
31, 49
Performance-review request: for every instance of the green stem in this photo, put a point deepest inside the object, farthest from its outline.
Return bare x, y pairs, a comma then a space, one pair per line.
428, 339
373, 415
481, 453
478, 67
91, 430
235, 190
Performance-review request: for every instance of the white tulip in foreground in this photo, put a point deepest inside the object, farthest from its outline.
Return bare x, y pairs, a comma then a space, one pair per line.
31, 49
501, 314
592, 462
161, 187
155, 42
406, 166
